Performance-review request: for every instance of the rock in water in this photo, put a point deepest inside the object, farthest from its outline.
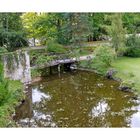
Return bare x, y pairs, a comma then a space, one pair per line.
110, 73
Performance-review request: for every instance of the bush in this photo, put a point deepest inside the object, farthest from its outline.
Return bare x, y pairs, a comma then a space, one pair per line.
43, 59
55, 47
104, 57
133, 46
10, 94
121, 51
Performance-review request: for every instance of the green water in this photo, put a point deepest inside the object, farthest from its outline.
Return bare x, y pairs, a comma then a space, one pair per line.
78, 99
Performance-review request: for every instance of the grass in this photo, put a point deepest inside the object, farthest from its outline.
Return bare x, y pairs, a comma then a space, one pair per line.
128, 70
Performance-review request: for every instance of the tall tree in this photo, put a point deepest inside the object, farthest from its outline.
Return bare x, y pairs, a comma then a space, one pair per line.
79, 27
12, 34
28, 20
97, 22
48, 27
117, 33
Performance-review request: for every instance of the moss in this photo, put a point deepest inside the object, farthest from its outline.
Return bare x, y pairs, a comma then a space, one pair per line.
35, 73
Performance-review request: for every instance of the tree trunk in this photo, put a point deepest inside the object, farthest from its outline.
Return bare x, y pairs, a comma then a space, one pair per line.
34, 42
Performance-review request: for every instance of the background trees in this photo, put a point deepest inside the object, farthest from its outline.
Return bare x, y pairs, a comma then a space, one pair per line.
73, 28
12, 35
79, 27
66, 28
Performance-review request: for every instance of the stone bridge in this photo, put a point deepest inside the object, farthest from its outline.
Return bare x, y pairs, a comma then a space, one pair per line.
17, 64
63, 61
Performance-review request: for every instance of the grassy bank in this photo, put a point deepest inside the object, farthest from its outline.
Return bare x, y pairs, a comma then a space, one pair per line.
128, 70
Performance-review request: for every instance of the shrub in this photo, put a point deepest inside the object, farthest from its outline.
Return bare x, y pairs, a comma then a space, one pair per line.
121, 51
43, 59
55, 47
105, 55
10, 94
133, 46
103, 59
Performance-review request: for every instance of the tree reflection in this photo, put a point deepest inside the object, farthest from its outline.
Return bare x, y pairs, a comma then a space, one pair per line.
25, 110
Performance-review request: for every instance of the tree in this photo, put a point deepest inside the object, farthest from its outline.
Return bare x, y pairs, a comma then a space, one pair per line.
12, 35
131, 22
48, 27
97, 22
117, 33
28, 20
78, 27
65, 28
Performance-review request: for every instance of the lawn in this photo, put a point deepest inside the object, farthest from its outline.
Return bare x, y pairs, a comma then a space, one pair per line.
128, 70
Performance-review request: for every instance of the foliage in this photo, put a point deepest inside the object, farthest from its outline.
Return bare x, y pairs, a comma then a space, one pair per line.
55, 47
12, 35
47, 27
102, 60
10, 94
12, 40
35, 73
97, 22
104, 56
131, 22
64, 28
3, 50
11, 21
68, 28
133, 46
117, 32
79, 28
28, 20
42, 59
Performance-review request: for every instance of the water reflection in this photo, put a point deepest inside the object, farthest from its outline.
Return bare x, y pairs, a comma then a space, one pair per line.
77, 100
25, 110
135, 121
37, 95
100, 109
28, 115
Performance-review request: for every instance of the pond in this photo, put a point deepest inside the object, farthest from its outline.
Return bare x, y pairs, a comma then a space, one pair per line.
78, 99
